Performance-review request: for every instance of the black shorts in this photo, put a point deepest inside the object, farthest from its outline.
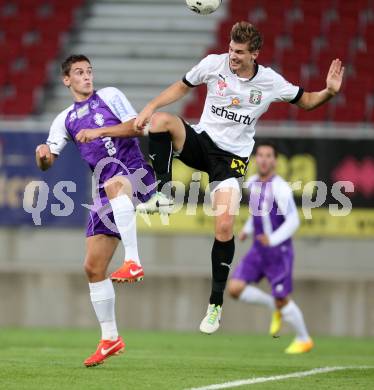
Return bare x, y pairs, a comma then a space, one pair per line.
201, 153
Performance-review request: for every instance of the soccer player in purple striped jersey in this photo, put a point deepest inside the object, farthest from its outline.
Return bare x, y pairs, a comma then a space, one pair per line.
101, 123
273, 221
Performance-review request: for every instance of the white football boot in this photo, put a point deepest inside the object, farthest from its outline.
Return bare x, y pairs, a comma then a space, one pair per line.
158, 203
210, 322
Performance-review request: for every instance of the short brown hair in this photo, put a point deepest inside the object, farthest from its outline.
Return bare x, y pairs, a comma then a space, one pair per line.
268, 143
72, 59
245, 32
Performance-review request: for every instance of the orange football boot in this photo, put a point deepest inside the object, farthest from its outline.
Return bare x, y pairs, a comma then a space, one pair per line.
105, 349
130, 272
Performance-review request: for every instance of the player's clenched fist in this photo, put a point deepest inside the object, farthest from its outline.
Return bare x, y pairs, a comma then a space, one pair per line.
43, 152
44, 157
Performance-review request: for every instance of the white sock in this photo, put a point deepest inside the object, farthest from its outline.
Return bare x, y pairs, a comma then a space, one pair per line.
125, 219
293, 315
253, 294
103, 300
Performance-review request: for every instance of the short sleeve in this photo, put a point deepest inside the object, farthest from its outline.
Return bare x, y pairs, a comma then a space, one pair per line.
199, 73
58, 135
118, 103
284, 91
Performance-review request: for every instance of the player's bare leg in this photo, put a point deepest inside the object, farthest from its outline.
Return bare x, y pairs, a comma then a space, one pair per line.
163, 122
225, 203
100, 249
166, 133
235, 287
119, 192
99, 252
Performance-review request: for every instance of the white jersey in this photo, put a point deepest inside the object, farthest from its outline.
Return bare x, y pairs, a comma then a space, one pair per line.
233, 104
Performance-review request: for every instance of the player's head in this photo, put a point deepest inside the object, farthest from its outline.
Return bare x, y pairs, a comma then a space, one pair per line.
266, 158
245, 44
77, 75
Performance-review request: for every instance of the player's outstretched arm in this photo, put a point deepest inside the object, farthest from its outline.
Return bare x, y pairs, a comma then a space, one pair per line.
124, 130
43, 156
170, 95
312, 100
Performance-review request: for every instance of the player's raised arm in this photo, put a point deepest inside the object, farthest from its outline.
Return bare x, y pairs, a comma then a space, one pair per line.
44, 157
312, 100
170, 95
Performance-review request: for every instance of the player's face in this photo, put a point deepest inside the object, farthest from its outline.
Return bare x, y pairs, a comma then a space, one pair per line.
80, 79
240, 57
265, 160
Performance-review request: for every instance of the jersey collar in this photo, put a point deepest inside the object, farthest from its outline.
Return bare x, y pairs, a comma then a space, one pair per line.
83, 102
268, 180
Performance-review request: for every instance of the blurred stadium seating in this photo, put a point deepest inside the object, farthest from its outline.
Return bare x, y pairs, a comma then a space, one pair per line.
30, 37
124, 39
300, 40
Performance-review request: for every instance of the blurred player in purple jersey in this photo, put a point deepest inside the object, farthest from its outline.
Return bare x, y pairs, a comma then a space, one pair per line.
273, 221
100, 123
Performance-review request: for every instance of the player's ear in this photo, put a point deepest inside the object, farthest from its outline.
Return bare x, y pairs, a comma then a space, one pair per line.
66, 81
255, 54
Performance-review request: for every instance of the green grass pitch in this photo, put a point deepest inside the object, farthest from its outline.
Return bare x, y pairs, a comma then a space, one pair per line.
52, 359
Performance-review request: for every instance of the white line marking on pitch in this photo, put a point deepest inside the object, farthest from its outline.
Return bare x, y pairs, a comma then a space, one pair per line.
300, 374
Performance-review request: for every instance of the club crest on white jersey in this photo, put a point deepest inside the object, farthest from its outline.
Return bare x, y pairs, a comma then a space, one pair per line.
255, 97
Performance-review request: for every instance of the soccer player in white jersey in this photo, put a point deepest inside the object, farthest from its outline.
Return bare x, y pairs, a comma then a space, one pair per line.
100, 123
273, 221
239, 91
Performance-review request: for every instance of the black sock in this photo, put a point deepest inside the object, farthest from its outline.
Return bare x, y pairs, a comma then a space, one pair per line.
160, 153
222, 256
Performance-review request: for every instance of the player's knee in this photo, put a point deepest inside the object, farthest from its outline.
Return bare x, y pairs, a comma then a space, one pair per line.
160, 122
93, 269
281, 302
224, 228
235, 288
116, 186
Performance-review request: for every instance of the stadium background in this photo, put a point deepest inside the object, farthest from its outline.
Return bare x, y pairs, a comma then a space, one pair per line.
141, 46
